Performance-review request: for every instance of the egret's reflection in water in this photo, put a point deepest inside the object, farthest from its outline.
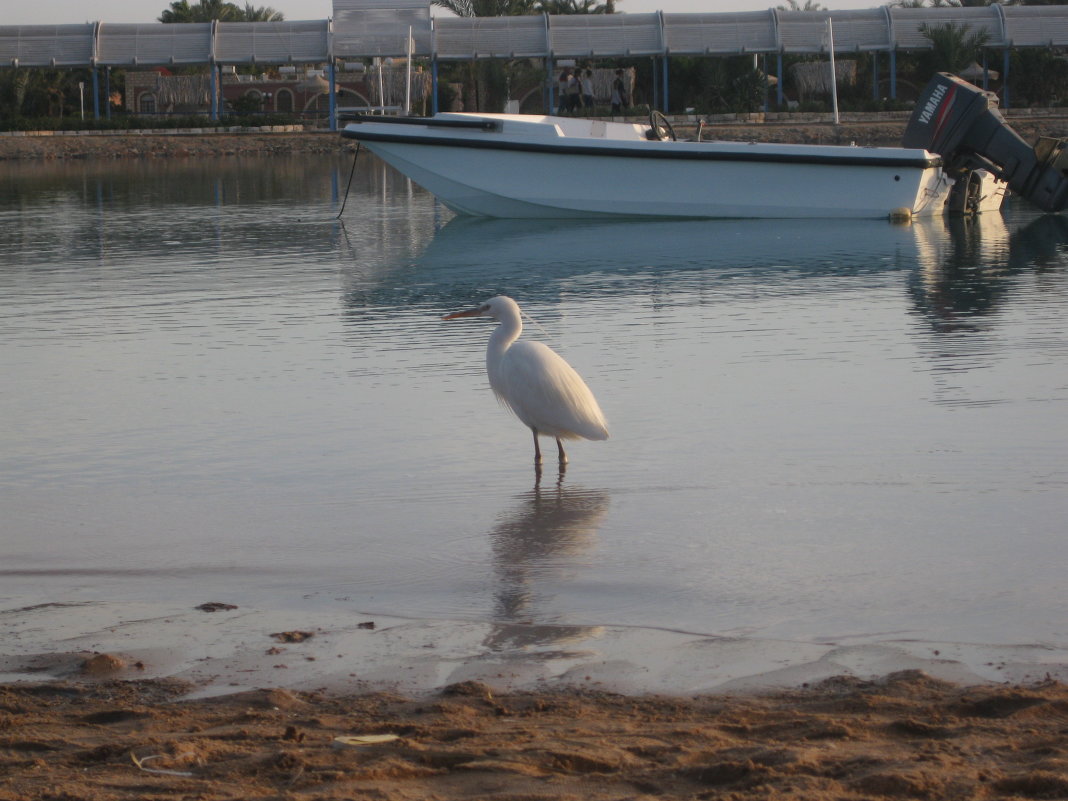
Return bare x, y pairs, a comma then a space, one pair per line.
543, 540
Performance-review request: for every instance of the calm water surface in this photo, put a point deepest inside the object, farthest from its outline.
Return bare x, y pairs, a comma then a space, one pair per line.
213, 390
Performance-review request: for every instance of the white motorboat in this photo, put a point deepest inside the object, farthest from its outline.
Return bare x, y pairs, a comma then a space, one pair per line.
515, 165
511, 165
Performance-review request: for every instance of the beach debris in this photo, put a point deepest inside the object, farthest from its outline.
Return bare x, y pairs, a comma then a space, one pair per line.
216, 606
293, 636
102, 664
364, 739
367, 624
161, 771
472, 689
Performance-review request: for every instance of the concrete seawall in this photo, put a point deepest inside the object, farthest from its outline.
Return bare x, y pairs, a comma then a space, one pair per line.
862, 130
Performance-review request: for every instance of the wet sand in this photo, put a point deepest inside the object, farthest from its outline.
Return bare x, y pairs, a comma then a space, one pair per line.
906, 737
122, 701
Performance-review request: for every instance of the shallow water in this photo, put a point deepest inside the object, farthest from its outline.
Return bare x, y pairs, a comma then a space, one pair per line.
821, 431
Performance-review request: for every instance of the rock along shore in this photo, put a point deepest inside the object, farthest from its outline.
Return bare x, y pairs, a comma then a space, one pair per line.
862, 130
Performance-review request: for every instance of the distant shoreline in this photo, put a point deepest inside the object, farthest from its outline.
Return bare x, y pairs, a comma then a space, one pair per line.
128, 144
862, 130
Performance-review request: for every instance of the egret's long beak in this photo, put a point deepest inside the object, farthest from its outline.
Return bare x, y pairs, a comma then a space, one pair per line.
469, 313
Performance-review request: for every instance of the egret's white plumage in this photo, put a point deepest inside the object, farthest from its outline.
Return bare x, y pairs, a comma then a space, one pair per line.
534, 382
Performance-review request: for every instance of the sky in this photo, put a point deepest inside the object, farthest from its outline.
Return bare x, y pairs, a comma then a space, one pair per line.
50, 12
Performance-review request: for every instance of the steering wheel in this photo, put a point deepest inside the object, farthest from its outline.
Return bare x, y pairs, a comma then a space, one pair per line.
660, 126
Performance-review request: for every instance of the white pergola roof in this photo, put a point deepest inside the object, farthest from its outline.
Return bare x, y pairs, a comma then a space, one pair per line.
807, 32
721, 34
156, 44
1034, 26
272, 42
458, 38
47, 45
367, 28
363, 28
906, 25
586, 35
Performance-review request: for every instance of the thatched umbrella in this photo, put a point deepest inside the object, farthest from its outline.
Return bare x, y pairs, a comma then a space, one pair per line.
973, 72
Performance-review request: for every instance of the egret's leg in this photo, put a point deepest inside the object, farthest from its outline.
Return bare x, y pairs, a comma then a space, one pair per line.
537, 447
560, 448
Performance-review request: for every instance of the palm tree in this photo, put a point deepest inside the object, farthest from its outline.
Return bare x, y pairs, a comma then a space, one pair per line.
794, 5
487, 8
261, 14
574, 7
203, 11
211, 10
952, 47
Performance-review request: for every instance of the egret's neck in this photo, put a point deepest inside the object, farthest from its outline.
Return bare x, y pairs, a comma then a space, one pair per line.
507, 331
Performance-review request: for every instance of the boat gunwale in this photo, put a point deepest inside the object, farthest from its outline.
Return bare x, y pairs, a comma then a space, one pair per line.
634, 150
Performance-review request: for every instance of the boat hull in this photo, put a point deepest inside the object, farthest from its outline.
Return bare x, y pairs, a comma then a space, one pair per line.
517, 171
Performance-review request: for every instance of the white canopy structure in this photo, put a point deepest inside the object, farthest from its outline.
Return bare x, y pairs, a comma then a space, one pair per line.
371, 28
382, 28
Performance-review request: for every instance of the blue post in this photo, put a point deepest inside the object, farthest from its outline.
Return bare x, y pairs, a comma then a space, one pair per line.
986, 74
107, 92
333, 96
96, 94
656, 86
433, 86
1005, 82
893, 75
875, 75
665, 79
778, 73
551, 81
214, 92
764, 72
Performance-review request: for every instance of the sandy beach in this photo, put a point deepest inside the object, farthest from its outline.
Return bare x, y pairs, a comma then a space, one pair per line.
218, 702
907, 737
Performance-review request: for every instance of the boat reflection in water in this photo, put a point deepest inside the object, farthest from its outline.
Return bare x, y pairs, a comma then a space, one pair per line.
968, 270
541, 261
538, 544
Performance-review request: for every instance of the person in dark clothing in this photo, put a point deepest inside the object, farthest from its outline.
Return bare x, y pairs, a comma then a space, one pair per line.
619, 93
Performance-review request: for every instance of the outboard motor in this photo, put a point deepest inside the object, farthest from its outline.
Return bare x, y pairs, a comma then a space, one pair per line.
961, 123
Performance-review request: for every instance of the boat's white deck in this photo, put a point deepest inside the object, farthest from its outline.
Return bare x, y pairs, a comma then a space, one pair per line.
547, 126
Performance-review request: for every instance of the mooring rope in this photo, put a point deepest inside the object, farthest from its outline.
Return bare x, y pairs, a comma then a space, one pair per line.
348, 186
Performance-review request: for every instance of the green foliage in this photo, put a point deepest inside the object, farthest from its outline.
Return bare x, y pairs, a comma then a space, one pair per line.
487, 8
211, 10
1038, 78
716, 86
262, 14
573, 7
246, 105
42, 92
952, 48
515, 8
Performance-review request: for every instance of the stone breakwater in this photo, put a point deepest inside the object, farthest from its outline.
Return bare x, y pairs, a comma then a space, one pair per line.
127, 144
877, 131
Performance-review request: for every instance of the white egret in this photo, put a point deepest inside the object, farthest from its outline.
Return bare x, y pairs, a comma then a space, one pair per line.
532, 380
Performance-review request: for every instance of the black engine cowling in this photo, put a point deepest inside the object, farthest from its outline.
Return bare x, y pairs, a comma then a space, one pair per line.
962, 123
